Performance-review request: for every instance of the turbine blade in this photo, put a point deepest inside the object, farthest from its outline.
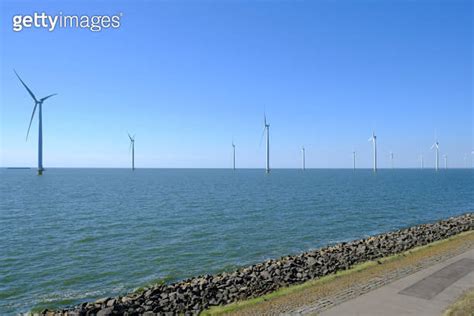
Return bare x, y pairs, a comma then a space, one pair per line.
49, 96
26, 87
31, 120
131, 139
261, 138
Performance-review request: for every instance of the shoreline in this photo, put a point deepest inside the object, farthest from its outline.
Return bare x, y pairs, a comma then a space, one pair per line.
322, 294
194, 295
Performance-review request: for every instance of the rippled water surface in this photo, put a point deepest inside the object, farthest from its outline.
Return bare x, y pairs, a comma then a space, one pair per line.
80, 234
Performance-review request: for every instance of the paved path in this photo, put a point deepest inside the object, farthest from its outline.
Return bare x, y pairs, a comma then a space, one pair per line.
426, 292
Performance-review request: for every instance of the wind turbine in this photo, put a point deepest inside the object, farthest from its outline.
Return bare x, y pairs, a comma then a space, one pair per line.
39, 104
373, 139
436, 147
132, 147
445, 161
354, 160
266, 129
421, 161
303, 158
391, 159
233, 155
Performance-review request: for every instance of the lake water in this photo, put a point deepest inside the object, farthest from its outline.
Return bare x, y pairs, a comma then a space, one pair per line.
81, 234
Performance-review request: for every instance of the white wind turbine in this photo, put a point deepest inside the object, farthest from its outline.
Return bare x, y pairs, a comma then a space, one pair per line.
445, 161
303, 158
421, 161
373, 139
132, 147
354, 160
233, 155
266, 130
39, 105
391, 159
436, 147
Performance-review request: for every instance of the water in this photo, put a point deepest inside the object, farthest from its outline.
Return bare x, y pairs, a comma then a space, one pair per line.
81, 234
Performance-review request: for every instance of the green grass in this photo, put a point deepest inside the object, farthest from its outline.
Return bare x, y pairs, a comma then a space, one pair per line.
464, 306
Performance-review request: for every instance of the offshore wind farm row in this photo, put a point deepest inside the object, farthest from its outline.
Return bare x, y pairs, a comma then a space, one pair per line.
38, 104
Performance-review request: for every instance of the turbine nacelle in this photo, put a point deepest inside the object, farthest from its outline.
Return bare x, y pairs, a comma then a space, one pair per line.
265, 124
373, 138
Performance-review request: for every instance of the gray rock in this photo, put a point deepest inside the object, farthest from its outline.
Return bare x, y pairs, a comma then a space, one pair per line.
105, 312
102, 300
111, 302
265, 274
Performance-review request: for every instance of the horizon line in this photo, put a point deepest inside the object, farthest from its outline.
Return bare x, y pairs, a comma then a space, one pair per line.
243, 168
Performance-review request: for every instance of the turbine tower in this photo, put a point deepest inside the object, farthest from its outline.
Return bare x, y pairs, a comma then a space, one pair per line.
445, 161
373, 139
391, 159
132, 147
39, 105
233, 155
266, 129
436, 147
303, 158
421, 161
354, 160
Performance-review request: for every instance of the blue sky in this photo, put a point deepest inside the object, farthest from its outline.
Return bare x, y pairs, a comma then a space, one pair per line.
187, 77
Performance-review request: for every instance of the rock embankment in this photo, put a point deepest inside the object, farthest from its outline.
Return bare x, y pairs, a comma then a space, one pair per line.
191, 296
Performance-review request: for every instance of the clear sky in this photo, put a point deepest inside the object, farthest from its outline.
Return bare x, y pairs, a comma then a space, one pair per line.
187, 77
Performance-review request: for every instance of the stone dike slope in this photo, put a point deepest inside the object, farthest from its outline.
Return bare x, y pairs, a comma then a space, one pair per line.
191, 296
